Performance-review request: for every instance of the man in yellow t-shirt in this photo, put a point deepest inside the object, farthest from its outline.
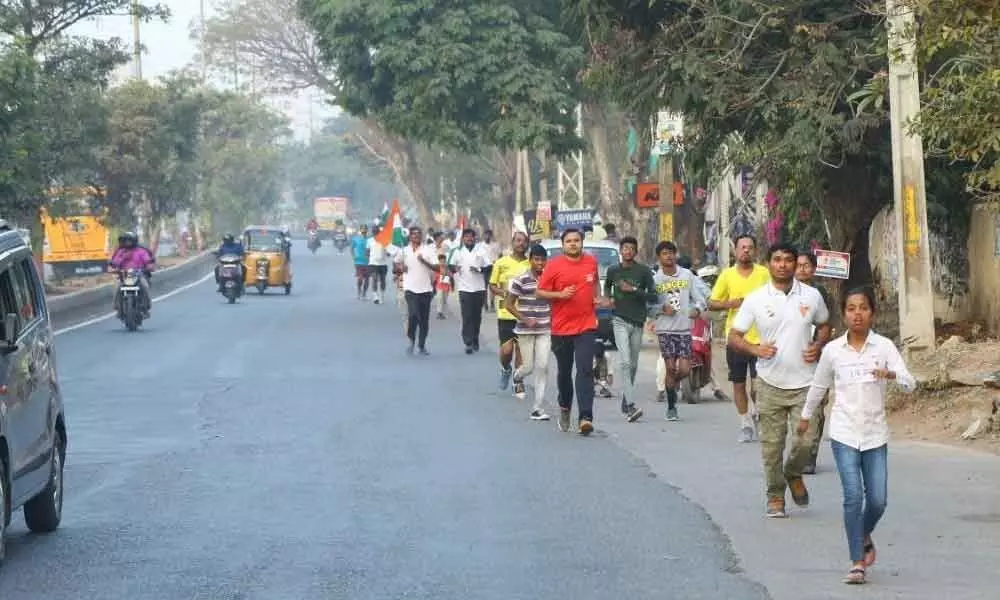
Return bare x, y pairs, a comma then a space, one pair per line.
733, 285
504, 269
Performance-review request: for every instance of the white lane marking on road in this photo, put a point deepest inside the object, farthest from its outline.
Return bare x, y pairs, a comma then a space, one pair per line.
90, 322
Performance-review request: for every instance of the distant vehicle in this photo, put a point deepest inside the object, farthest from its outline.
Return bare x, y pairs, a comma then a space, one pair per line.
32, 418
76, 243
329, 212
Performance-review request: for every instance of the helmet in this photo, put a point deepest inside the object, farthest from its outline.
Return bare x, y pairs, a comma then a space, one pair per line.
228, 239
128, 239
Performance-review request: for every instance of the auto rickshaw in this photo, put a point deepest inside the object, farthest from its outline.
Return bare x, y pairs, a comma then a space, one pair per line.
268, 252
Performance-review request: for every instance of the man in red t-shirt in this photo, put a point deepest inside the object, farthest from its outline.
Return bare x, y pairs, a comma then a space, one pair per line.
571, 282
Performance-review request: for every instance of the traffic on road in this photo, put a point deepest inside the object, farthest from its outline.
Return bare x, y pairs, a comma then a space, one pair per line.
302, 446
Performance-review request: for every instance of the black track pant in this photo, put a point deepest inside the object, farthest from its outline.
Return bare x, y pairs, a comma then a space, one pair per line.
471, 304
418, 311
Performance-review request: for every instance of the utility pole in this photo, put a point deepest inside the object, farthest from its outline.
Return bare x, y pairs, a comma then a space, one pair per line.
201, 35
916, 297
569, 179
668, 130
136, 42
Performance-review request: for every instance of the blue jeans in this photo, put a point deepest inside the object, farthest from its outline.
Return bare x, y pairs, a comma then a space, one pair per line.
865, 479
628, 338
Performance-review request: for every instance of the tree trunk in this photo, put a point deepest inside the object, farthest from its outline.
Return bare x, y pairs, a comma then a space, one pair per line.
597, 133
851, 199
400, 156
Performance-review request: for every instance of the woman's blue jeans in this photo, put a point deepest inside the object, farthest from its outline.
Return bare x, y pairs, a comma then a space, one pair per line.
865, 479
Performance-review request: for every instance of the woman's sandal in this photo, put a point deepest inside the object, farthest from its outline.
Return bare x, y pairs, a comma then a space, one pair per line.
870, 554
855, 576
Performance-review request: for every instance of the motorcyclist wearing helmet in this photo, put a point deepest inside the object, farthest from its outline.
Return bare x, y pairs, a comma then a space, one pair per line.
286, 243
131, 255
229, 245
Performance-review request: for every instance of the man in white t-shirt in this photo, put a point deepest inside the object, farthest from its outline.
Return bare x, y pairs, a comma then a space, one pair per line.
491, 250
377, 265
784, 312
418, 264
467, 263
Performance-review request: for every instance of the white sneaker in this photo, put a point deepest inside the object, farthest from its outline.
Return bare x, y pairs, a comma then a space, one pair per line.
748, 429
539, 415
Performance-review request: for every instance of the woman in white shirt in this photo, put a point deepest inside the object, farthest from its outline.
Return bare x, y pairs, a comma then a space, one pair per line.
859, 364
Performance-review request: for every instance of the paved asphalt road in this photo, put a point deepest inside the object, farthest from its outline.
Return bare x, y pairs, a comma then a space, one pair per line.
286, 448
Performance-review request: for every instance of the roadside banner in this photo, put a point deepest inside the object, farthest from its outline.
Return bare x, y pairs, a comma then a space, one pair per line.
537, 227
574, 218
836, 265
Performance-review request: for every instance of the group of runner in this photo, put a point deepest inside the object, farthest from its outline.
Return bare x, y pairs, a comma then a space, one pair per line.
780, 357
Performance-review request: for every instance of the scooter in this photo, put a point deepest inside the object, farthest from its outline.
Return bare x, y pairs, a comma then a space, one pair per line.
700, 375
314, 241
340, 241
231, 277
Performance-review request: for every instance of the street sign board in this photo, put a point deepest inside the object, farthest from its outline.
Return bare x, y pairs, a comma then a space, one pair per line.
836, 265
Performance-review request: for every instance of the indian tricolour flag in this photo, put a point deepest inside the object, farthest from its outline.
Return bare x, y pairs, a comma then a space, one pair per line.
392, 233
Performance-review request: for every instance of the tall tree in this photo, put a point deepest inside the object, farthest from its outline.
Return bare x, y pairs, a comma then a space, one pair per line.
281, 48
460, 75
36, 23
779, 74
959, 42
241, 150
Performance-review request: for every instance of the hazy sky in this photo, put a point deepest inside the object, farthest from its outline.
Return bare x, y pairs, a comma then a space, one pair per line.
168, 47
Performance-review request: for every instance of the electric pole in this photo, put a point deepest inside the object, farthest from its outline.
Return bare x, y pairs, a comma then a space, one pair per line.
916, 296
136, 42
668, 131
569, 177
204, 57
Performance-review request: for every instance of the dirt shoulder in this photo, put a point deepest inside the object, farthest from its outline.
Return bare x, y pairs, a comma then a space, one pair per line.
952, 405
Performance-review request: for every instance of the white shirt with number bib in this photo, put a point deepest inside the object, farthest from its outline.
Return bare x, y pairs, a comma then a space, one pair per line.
857, 418
786, 321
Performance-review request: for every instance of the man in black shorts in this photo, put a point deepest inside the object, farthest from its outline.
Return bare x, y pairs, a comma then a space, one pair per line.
733, 285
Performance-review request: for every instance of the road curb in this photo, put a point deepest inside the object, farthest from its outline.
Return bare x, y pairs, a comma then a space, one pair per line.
101, 296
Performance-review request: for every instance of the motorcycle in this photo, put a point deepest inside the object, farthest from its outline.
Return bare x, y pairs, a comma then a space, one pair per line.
340, 241
231, 277
130, 309
314, 241
700, 375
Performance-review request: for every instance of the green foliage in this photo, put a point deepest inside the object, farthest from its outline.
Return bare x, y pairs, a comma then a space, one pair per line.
66, 80
151, 146
959, 43
779, 74
241, 156
463, 75
330, 164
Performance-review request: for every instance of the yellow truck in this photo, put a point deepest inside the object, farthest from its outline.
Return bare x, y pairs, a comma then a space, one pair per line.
331, 213
77, 243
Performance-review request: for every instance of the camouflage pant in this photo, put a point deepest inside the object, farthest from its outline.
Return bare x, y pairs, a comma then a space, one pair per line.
779, 413
819, 423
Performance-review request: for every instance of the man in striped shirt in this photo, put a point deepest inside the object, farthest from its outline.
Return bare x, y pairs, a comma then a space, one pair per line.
532, 329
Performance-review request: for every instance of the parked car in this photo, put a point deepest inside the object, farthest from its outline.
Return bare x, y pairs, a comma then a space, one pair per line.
32, 420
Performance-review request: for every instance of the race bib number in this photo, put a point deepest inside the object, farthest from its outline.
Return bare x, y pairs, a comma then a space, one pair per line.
856, 372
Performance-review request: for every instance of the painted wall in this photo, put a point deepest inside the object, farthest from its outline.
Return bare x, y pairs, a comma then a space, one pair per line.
951, 284
984, 266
